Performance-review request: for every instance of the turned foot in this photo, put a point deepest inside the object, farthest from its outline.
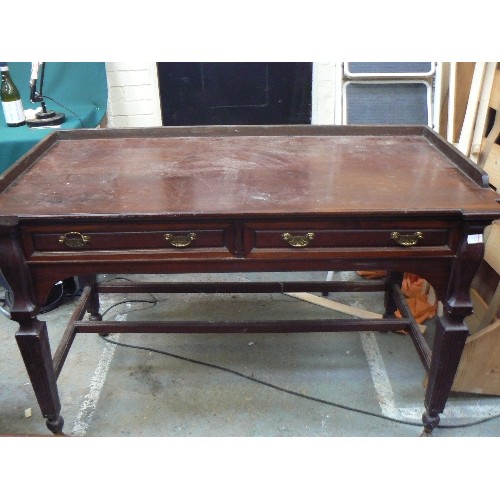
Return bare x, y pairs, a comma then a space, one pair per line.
430, 421
55, 425
98, 317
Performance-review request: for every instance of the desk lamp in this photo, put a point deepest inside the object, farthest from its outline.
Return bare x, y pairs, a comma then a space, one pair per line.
43, 118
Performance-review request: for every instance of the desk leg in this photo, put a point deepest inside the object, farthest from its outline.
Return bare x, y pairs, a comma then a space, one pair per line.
31, 337
451, 332
93, 305
393, 278
33, 342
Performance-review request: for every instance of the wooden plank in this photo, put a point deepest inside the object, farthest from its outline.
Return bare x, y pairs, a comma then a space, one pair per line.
461, 74
492, 248
482, 111
479, 368
479, 309
479, 304
484, 286
494, 133
471, 322
492, 166
465, 141
489, 314
490, 141
339, 307
495, 91
450, 122
441, 91
335, 306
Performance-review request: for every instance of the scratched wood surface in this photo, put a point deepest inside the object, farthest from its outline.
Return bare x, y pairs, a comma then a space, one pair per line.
243, 175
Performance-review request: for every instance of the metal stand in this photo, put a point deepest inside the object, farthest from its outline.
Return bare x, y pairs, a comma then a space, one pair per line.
43, 118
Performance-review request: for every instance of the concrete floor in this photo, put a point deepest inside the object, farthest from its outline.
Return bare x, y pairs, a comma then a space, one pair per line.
110, 390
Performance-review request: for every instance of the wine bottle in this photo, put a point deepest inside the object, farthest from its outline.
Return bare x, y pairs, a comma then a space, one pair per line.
11, 99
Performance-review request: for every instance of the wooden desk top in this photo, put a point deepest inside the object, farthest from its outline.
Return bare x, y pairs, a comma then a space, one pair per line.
245, 170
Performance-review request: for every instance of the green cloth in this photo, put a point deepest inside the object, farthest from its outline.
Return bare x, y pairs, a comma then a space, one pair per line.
80, 86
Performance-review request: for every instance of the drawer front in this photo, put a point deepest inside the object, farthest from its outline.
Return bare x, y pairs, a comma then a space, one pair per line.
323, 236
171, 238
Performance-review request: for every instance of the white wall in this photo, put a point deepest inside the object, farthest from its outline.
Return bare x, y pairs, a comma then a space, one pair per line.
323, 93
133, 96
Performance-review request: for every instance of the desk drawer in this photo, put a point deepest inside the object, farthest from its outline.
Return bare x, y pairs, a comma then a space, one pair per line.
309, 236
173, 238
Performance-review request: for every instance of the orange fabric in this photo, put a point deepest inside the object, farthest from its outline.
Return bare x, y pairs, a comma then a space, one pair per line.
415, 290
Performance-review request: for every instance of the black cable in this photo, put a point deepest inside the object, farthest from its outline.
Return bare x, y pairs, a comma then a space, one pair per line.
282, 389
114, 278
67, 109
154, 302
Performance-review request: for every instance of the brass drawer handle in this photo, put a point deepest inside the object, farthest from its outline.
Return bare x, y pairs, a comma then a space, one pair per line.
180, 241
74, 239
298, 241
406, 240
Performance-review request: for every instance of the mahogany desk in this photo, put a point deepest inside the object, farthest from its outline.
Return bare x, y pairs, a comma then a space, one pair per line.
235, 199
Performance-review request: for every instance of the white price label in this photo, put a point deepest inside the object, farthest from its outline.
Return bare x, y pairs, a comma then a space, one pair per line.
13, 111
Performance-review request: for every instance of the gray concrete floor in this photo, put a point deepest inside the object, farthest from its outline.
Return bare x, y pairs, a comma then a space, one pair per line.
110, 390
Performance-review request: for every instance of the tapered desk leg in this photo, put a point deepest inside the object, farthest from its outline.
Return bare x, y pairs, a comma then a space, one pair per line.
33, 342
93, 305
31, 337
451, 332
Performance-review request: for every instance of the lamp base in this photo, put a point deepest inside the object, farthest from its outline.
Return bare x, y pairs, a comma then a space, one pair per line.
46, 119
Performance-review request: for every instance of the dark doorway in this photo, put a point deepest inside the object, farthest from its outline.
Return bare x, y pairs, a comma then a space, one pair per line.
235, 93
